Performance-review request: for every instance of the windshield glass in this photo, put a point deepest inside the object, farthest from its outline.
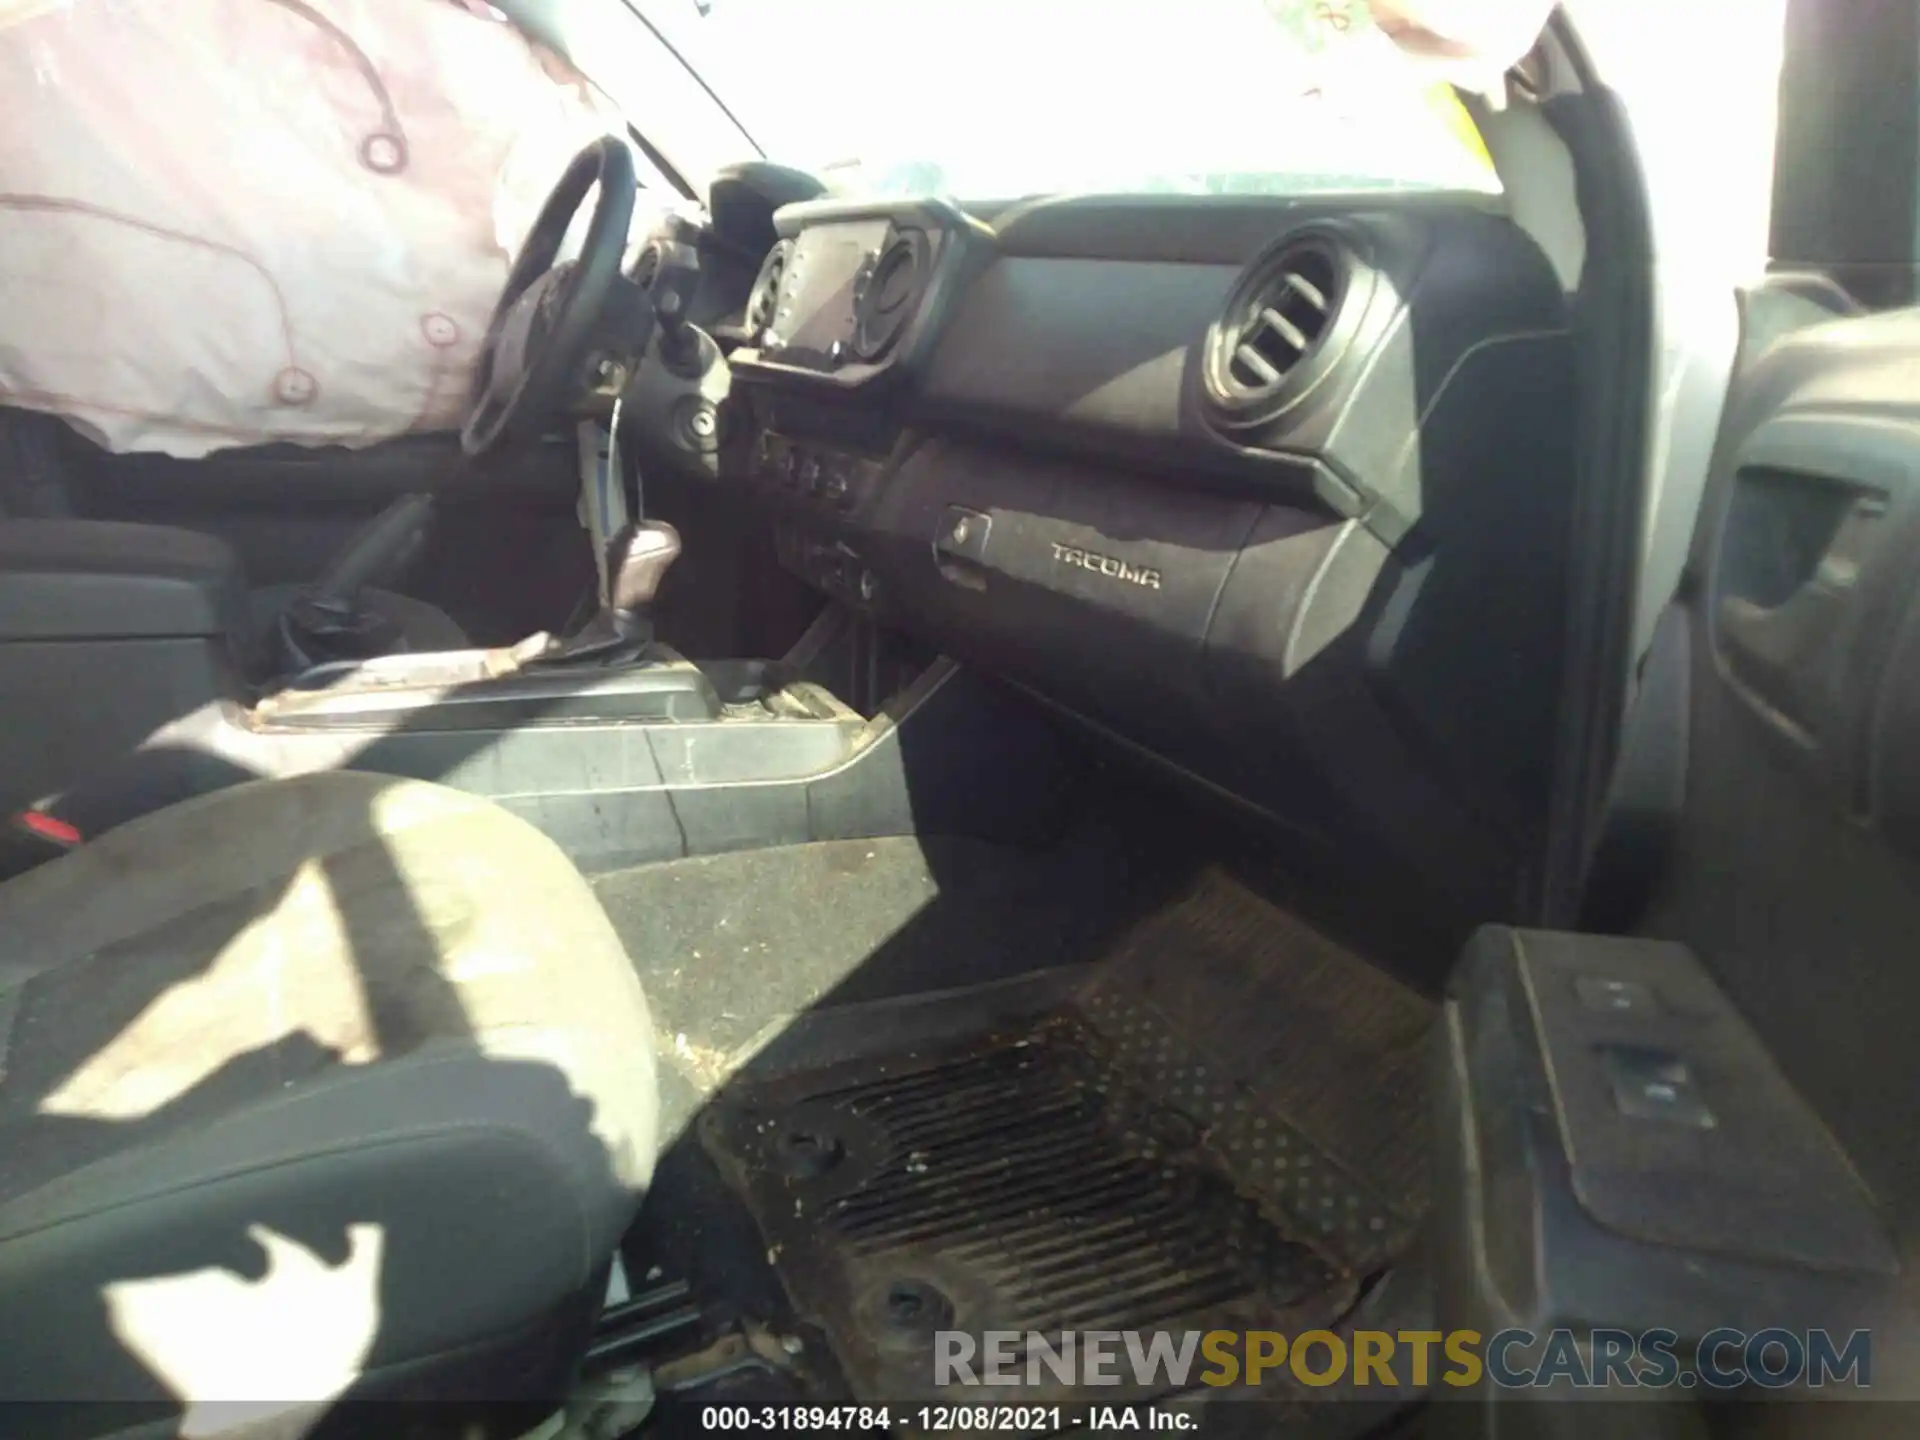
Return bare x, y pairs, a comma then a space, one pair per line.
1005, 98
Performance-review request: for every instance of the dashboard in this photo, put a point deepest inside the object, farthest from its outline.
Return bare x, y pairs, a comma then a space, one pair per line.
1275, 491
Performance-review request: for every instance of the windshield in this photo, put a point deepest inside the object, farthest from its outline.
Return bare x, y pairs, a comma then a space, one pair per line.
1005, 98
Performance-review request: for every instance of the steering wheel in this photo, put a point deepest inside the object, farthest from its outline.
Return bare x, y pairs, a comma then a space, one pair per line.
543, 326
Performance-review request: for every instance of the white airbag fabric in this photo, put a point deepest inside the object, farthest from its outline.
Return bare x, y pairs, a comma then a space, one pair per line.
231, 222
1469, 43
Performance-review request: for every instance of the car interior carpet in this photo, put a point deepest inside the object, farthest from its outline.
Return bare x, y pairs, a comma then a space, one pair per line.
735, 947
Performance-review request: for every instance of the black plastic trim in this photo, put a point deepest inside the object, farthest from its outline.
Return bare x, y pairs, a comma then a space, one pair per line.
1615, 335
99, 579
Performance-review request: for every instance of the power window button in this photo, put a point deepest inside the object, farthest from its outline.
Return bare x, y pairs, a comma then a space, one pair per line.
1616, 997
1655, 1085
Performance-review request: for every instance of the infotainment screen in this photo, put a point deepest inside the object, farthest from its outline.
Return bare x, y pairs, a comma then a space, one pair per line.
816, 309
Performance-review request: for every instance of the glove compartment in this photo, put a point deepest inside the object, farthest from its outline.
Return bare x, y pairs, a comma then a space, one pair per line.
1228, 635
1093, 587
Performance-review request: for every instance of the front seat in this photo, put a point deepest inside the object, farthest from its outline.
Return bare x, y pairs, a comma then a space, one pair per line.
35, 475
339, 1084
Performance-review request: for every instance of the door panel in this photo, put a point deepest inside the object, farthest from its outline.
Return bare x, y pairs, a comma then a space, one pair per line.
1785, 878
1620, 1150
1725, 1131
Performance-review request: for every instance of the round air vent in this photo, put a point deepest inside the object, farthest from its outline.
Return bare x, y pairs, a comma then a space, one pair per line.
884, 296
1285, 325
763, 301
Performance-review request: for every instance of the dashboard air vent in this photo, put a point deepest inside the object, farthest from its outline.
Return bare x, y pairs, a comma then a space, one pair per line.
1281, 331
763, 302
884, 296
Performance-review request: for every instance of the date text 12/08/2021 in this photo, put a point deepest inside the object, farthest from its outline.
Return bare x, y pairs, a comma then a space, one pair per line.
938, 1419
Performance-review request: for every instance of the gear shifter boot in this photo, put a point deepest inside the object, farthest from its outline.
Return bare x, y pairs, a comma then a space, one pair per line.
622, 632
316, 629
328, 621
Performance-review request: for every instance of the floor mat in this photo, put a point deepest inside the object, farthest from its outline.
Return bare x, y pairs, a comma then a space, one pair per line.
1218, 1125
1294, 1026
731, 946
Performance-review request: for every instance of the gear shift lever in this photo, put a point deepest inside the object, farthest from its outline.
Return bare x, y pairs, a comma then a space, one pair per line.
634, 556
638, 559
642, 555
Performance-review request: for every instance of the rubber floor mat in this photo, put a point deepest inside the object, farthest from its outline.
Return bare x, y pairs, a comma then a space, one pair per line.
1018, 1184
1172, 1148
1233, 1010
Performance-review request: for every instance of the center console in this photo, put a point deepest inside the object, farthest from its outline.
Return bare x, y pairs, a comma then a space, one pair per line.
487, 690
106, 632
816, 491
844, 316
121, 689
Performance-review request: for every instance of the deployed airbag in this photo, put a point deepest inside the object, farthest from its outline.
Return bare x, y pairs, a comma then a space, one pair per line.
1470, 43
230, 222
